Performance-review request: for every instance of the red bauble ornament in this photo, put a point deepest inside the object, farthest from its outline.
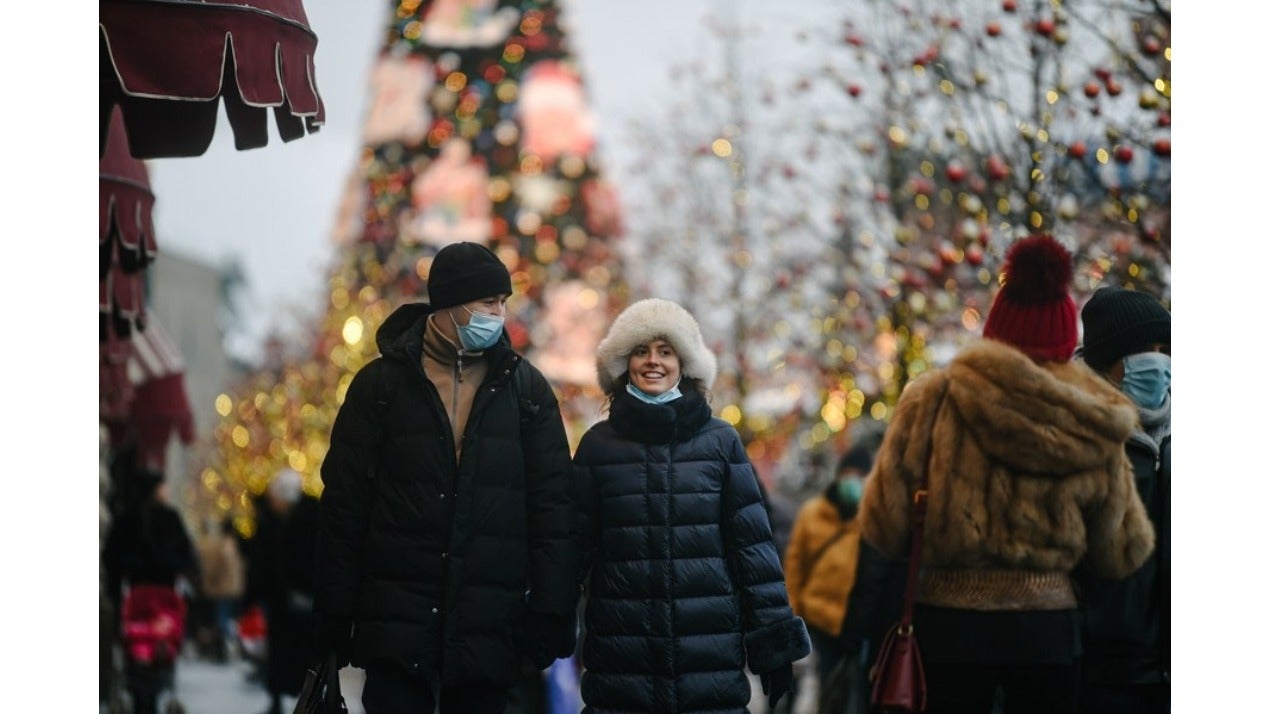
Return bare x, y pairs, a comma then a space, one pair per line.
1009, 5
914, 279
974, 255
854, 40
1092, 89
921, 185
1114, 88
996, 168
993, 28
1045, 27
1164, 119
1077, 150
1102, 73
1162, 147
853, 90
955, 172
1151, 46
1124, 154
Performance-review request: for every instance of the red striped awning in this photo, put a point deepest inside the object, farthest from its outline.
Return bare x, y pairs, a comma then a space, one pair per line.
125, 239
159, 406
168, 63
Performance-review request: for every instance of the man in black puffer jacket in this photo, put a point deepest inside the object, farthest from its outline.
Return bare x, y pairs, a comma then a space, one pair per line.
445, 555
1125, 670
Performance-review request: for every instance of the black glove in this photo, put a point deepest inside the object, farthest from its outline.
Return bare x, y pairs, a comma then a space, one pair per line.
548, 637
777, 683
335, 634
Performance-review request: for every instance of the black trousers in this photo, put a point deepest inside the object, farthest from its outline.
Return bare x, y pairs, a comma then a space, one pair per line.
1124, 698
391, 690
829, 653
955, 688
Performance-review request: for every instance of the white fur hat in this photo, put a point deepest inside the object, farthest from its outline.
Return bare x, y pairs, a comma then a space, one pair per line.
286, 485
641, 323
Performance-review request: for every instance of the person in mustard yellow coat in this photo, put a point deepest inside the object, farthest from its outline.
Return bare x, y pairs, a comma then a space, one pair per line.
820, 561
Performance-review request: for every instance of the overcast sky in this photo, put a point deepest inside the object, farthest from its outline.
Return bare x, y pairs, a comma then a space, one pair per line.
273, 207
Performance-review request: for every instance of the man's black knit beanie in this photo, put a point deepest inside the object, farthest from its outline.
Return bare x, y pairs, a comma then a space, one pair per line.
1120, 322
463, 272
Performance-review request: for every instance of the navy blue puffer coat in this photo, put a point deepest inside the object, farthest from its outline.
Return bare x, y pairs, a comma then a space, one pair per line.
684, 584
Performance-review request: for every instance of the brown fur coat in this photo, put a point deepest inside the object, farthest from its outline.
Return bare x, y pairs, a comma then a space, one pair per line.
1028, 468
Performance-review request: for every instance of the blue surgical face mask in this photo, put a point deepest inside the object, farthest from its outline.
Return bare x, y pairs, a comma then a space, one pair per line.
667, 396
1146, 378
850, 490
481, 331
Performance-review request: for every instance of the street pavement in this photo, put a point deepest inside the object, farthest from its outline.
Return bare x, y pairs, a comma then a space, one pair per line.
206, 687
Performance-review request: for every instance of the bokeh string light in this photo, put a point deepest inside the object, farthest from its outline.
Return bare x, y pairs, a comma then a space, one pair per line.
861, 248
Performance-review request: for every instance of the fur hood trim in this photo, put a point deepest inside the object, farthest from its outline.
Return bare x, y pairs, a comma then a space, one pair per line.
645, 321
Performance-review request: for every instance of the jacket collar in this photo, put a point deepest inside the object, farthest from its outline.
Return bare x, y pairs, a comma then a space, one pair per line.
659, 423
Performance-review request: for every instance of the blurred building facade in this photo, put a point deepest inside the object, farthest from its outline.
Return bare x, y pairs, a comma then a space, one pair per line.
187, 297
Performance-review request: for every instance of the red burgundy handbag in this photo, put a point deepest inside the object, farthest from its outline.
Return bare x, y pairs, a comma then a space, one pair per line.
899, 679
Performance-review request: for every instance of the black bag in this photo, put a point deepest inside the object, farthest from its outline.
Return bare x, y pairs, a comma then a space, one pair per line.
321, 691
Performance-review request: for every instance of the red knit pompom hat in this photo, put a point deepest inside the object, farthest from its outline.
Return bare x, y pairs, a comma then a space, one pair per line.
1033, 310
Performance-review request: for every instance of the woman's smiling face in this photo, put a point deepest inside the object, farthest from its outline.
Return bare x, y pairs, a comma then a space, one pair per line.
653, 367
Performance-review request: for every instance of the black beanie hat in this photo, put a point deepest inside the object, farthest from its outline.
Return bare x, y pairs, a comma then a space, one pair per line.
463, 272
1121, 322
857, 457
148, 481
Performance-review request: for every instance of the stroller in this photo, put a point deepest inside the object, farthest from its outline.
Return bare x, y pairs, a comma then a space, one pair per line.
251, 640
152, 632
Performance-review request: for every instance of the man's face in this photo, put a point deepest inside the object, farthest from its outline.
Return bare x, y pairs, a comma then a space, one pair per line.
494, 305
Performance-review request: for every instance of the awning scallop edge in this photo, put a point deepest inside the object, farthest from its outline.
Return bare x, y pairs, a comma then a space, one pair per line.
166, 64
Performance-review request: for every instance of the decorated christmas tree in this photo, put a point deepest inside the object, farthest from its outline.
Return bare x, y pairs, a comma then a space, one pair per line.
478, 129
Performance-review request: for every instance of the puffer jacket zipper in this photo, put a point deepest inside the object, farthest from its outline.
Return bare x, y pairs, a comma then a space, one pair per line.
454, 394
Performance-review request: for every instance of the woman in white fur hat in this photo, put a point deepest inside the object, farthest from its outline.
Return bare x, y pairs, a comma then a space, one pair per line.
684, 584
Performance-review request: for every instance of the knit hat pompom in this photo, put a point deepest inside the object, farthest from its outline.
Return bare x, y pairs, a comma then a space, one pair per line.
1033, 310
1037, 269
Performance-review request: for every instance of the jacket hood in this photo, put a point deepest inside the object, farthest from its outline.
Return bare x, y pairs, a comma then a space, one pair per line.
673, 421
1051, 418
392, 335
